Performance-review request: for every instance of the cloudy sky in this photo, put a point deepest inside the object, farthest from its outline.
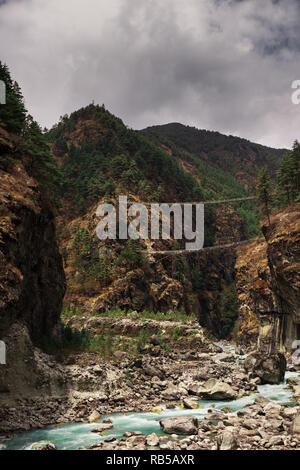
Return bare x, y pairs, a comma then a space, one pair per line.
224, 65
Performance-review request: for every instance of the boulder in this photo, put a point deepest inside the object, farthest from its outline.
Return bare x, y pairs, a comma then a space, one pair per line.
189, 403
270, 368
214, 389
132, 433
120, 355
289, 412
152, 440
194, 389
137, 442
43, 445
94, 417
261, 401
181, 425
153, 371
272, 408
171, 393
276, 441
103, 427
227, 441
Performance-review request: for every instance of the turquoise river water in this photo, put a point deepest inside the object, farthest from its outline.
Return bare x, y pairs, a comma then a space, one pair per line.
71, 436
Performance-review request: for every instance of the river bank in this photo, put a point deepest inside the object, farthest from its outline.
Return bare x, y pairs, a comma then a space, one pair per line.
240, 411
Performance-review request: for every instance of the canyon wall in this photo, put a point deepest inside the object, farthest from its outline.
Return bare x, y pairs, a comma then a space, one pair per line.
268, 283
32, 281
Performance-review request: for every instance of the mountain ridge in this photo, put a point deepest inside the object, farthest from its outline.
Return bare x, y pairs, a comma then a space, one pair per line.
236, 156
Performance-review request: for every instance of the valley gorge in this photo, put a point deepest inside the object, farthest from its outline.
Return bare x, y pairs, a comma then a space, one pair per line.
112, 346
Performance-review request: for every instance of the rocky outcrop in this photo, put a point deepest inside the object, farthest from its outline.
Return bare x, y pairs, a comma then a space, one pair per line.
32, 282
268, 283
283, 239
269, 368
254, 294
228, 226
212, 272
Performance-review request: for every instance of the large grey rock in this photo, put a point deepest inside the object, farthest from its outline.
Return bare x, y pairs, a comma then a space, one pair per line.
276, 441
270, 368
181, 425
94, 417
227, 441
153, 371
152, 440
190, 403
214, 389
174, 392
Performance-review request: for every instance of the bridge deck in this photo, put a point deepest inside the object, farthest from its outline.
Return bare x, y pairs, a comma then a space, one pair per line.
208, 248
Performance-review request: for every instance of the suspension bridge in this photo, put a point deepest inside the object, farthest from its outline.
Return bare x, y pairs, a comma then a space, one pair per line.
209, 248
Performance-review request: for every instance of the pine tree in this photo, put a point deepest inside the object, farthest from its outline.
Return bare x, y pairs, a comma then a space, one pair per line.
13, 113
289, 174
264, 192
39, 162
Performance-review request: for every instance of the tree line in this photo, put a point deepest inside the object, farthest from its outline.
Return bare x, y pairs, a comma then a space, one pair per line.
286, 188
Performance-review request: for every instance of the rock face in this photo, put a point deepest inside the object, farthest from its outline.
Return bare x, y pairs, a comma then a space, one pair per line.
182, 425
270, 368
268, 284
283, 238
214, 270
32, 282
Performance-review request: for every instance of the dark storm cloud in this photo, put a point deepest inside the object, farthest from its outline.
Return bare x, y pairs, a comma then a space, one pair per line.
225, 64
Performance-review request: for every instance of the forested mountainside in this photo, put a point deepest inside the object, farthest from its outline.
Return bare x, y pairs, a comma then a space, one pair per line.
99, 159
100, 156
237, 157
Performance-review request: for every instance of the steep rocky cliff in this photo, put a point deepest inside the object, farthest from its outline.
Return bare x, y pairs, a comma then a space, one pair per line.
268, 282
32, 281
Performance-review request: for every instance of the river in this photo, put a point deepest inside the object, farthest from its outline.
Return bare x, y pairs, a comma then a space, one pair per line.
71, 436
